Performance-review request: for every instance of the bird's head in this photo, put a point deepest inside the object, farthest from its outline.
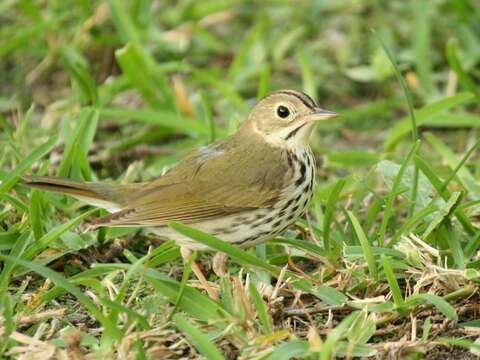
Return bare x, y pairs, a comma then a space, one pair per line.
286, 118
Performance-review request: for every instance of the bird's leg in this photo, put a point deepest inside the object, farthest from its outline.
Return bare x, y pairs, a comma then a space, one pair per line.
186, 254
218, 264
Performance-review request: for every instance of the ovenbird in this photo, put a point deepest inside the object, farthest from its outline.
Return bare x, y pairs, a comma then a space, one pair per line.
244, 189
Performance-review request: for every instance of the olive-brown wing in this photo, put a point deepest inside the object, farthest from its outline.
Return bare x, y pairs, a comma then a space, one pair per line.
211, 182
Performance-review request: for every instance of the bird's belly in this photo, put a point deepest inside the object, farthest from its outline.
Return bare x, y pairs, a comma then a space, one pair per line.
237, 229
252, 227
248, 228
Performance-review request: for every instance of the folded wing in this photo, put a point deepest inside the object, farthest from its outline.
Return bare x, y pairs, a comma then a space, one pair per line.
215, 181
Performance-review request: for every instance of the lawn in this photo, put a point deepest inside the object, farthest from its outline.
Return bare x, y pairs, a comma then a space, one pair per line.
385, 264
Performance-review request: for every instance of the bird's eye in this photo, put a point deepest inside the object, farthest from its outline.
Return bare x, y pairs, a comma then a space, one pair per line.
282, 111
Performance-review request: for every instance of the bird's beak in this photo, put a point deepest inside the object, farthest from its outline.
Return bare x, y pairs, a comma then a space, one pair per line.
319, 115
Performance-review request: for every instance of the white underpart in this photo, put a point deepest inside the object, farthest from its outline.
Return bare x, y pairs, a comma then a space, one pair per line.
298, 142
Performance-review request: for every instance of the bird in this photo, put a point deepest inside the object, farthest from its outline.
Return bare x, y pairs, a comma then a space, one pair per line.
244, 189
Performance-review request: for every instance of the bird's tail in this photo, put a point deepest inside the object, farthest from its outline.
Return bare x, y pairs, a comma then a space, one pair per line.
112, 197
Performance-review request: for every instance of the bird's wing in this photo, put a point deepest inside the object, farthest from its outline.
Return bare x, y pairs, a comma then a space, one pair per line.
214, 181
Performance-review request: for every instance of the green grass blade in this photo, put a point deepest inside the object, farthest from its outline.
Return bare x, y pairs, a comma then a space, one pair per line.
329, 347
241, 55
290, 350
443, 213
467, 344
357, 251
365, 244
131, 58
406, 90
261, 308
411, 222
464, 175
460, 165
472, 246
431, 112
456, 65
227, 90
16, 252
445, 194
15, 202
264, 82
165, 118
54, 234
168, 256
388, 212
422, 44
123, 22
79, 71
427, 325
201, 341
392, 281
35, 213
7, 310
208, 118
442, 305
12, 177
457, 120
355, 158
62, 282
455, 246
470, 323
237, 254
330, 295
187, 270
192, 302
81, 133
308, 79
118, 307
23, 35
136, 267
372, 214
301, 245
329, 211
219, 245
8, 239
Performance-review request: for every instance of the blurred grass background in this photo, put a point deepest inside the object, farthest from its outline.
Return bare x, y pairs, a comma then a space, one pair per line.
122, 90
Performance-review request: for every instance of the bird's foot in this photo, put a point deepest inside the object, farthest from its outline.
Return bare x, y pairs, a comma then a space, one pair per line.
219, 263
186, 253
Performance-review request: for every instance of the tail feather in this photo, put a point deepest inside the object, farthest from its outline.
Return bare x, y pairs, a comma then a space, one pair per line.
112, 197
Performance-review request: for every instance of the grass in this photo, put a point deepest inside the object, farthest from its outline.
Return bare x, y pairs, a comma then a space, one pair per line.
385, 263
